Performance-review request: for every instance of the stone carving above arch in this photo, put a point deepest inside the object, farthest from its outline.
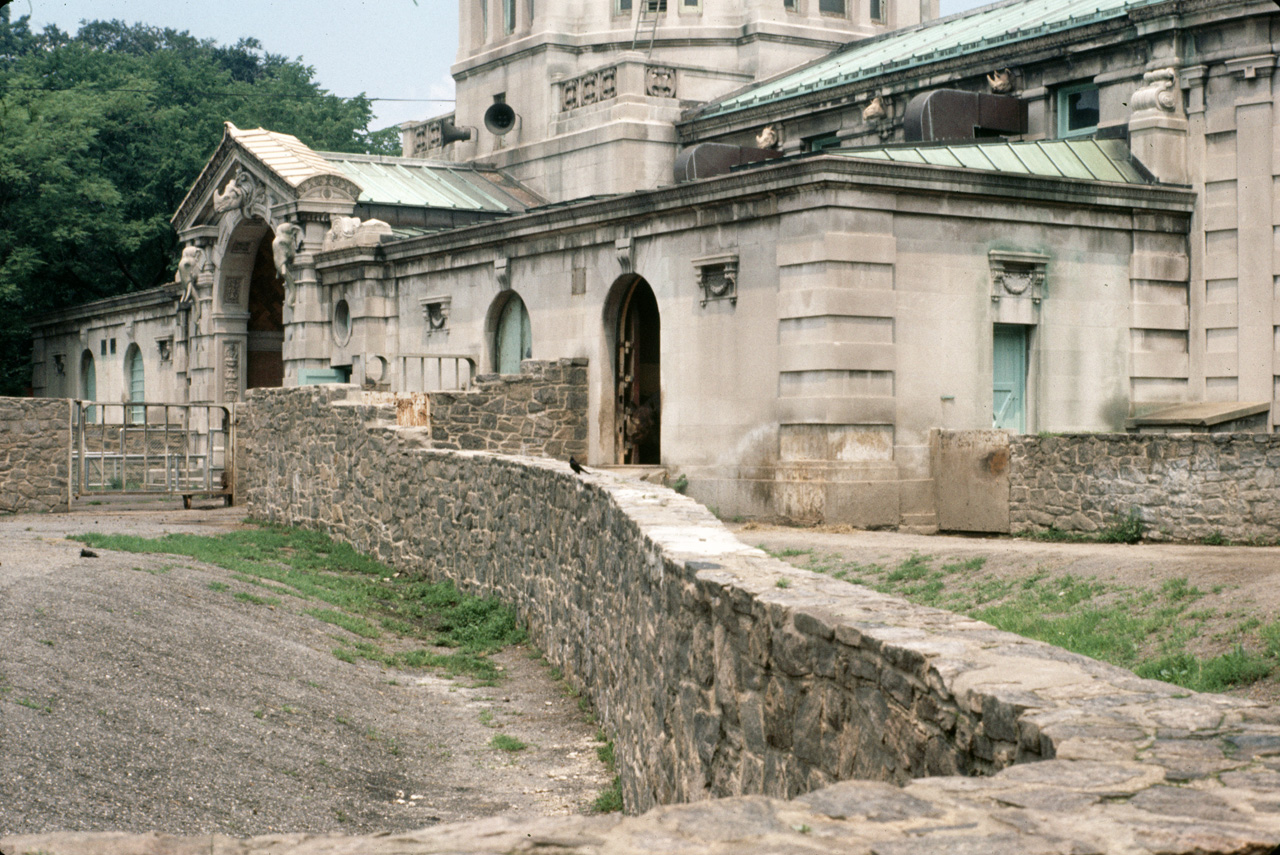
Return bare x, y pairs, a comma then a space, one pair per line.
244, 192
329, 188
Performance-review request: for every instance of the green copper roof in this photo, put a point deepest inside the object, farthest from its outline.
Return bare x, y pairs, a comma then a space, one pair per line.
420, 183
957, 35
1092, 160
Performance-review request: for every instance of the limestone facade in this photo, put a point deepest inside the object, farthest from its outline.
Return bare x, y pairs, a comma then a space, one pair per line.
786, 333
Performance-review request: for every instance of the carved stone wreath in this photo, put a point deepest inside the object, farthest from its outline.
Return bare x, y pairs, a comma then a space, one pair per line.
1017, 274
717, 278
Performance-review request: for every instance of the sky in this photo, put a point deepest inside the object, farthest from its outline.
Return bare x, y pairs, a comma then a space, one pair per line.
393, 51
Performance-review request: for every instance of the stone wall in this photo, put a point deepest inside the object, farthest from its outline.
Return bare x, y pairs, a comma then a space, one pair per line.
722, 672
541, 411
35, 448
1183, 487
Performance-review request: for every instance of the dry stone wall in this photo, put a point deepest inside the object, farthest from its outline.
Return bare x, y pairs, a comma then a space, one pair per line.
35, 448
1184, 487
723, 672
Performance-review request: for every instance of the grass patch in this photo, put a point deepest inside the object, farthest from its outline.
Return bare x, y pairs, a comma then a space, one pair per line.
351, 623
610, 798
351, 591
1151, 631
502, 742
254, 599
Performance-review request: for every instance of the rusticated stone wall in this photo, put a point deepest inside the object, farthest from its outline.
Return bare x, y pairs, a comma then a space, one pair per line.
723, 672
1183, 487
35, 446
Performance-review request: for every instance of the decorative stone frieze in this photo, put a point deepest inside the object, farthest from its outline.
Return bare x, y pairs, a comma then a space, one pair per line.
660, 81
717, 278
590, 88
230, 371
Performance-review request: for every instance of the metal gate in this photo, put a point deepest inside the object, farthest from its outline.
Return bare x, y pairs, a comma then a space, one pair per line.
140, 448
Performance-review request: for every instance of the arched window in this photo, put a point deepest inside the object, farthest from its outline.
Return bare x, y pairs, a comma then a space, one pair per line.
137, 385
88, 383
513, 337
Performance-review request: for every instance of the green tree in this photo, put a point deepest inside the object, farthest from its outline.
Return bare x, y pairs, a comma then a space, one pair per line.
102, 134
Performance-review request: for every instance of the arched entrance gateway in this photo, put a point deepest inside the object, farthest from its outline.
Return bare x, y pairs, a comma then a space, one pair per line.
637, 374
264, 363
252, 298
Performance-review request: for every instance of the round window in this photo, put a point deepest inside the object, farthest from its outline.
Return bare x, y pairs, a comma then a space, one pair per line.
341, 322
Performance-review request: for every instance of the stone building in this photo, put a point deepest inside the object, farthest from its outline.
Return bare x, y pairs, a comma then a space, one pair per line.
791, 239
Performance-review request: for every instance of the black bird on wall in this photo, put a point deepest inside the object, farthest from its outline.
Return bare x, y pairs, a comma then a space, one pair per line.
576, 466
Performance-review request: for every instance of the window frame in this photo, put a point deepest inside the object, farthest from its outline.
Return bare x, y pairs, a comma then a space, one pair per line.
1062, 106
844, 9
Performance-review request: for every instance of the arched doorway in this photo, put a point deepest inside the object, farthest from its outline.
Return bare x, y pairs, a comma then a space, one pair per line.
512, 335
638, 376
264, 363
137, 383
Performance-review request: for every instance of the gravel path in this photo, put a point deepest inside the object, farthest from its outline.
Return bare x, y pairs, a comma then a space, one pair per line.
135, 697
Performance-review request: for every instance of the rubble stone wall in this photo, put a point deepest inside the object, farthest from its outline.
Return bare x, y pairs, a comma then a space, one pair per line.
1184, 487
35, 447
540, 411
721, 671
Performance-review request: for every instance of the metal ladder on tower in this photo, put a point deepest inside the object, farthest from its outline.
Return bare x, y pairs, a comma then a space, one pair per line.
647, 23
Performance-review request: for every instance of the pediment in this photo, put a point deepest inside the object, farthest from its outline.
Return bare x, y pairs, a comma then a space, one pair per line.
261, 174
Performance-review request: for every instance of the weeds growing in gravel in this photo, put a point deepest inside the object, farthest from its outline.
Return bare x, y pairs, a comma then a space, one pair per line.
502, 742
356, 593
1150, 631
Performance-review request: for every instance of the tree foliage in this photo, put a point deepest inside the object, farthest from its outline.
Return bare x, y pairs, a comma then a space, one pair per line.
102, 134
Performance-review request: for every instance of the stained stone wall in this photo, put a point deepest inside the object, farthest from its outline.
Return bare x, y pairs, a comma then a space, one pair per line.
723, 672
35, 447
1184, 487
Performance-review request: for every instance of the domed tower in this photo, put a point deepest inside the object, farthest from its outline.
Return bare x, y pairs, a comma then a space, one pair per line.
579, 97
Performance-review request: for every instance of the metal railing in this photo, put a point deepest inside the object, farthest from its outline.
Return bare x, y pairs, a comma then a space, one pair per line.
134, 448
435, 372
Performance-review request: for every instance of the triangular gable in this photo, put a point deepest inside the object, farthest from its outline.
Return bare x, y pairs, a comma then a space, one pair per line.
289, 169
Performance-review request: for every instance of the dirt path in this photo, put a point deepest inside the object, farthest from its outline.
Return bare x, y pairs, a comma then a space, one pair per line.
1239, 584
133, 697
